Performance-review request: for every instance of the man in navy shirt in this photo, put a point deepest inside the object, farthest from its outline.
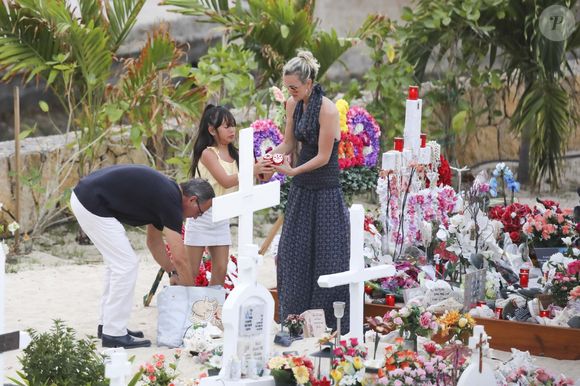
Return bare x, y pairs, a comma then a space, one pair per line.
135, 195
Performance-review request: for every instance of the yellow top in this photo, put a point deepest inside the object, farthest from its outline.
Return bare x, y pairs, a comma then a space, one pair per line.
229, 167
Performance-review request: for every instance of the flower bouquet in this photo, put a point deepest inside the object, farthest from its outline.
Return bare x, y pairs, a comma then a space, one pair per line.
459, 326
536, 377
291, 370
266, 137
506, 177
159, 372
348, 365
564, 282
295, 324
547, 224
512, 217
412, 322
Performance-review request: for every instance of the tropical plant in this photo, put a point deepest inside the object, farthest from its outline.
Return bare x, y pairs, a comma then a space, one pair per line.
59, 358
157, 88
545, 114
273, 30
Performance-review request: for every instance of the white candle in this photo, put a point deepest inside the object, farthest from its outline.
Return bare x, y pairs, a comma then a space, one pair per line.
412, 133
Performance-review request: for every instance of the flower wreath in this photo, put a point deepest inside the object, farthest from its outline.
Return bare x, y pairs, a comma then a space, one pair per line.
350, 151
363, 125
266, 137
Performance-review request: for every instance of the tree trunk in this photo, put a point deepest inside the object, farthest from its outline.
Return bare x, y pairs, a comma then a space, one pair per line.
524, 164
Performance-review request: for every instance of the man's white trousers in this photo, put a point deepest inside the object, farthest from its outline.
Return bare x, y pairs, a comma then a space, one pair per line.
121, 266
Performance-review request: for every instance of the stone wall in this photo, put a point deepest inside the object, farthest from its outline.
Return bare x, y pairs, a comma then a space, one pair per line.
48, 171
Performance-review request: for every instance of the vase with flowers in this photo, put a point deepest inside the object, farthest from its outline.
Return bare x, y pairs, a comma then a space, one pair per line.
289, 370
348, 364
295, 325
456, 325
412, 322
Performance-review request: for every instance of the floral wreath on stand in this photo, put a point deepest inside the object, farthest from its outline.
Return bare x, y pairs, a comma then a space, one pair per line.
364, 126
266, 137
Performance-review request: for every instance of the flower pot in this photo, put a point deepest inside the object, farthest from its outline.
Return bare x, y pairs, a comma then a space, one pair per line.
279, 382
543, 253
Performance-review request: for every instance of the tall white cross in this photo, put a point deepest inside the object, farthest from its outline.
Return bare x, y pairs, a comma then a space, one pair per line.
248, 312
357, 274
247, 200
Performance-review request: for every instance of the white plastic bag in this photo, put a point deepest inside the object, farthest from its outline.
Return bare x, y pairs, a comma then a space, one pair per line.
179, 307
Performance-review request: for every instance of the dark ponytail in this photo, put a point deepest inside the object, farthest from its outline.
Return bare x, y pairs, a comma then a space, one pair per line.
213, 116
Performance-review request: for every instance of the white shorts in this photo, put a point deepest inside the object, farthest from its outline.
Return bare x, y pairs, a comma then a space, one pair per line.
203, 232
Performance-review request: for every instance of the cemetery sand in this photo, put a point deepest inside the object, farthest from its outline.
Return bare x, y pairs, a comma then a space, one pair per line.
63, 280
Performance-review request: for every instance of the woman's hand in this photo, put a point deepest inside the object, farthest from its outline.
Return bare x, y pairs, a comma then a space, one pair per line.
285, 168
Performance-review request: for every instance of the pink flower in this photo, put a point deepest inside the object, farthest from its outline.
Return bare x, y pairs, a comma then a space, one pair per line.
543, 376
574, 267
278, 94
353, 341
425, 320
575, 293
398, 321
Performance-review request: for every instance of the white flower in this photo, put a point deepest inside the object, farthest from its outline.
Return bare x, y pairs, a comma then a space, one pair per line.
13, 227
576, 251
358, 128
442, 234
404, 312
567, 241
513, 215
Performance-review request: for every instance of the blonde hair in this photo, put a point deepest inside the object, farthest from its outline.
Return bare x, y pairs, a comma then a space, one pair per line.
304, 65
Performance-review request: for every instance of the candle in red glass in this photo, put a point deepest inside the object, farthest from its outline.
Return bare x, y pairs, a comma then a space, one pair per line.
390, 300
423, 140
398, 144
544, 313
413, 93
498, 312
524, 277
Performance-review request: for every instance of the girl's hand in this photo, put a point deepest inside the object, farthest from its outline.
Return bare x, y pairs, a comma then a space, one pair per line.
263, 167
285, 168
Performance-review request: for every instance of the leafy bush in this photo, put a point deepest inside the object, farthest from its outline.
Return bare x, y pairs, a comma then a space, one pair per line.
58, 358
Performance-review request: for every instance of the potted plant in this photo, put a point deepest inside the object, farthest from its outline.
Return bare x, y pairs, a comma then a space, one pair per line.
290, 370
295, 325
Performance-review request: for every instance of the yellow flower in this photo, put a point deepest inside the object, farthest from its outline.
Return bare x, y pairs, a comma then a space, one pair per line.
470, 320
277, 362
462, 322
342, 107
336, 375
301, 374
357, 363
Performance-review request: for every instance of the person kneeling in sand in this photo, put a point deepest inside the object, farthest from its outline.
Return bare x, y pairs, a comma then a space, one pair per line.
135, 195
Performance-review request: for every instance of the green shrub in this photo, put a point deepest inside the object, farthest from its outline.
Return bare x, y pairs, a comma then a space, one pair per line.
58, 358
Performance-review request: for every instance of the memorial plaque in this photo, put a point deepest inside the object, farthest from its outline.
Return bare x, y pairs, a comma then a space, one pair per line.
411, 293
251, 319
314, 323
474, 288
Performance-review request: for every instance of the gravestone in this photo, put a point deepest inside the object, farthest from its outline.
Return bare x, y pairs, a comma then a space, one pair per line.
248, 312
474, 288
438, 291
356, 276
314, 323
478, 373
411, 293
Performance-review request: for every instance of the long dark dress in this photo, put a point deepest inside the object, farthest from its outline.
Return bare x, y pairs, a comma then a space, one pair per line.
315, 237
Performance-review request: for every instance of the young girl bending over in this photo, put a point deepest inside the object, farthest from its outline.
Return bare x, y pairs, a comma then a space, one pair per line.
215, 158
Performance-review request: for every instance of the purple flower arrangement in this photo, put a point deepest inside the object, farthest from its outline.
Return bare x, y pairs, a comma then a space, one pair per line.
363, 125
266, 137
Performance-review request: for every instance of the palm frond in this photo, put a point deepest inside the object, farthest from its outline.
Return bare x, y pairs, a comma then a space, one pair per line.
122, 15
90, 50
327, 47
198, 7
91, 11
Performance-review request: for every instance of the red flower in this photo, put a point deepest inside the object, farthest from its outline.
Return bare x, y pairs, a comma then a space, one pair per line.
444, 173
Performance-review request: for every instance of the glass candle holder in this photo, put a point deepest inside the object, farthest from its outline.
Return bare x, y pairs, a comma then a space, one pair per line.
413, 93
399, 143
544, 313
498, 312
524, 277
390, 300
423, 139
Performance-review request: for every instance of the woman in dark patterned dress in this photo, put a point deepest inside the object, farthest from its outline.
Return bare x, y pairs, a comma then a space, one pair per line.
316, 232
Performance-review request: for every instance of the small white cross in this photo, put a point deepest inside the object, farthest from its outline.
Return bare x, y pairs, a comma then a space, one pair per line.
356, 276
117, 367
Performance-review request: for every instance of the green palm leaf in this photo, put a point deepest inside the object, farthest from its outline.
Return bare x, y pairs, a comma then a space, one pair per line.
122, 15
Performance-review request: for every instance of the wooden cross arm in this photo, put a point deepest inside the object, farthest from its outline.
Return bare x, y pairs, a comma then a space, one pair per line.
342, 278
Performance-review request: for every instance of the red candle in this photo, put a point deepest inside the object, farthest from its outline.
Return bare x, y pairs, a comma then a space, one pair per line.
398, 144
390, 300
413, 93
481, 303
524, 277
544, 313
440, 269
423, 140
498, 312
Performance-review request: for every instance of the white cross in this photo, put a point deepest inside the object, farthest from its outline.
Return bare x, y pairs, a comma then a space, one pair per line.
459, 172
117, 367
357, 274
247, 200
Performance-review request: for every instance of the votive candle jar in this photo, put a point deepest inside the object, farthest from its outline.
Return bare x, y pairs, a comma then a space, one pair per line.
390, 300
399, 143
498, 312
544, 313
413, 93
423, 139
524, 277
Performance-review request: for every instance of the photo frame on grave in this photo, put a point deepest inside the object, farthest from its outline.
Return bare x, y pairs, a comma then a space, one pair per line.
314, 323
474, 288
411, 293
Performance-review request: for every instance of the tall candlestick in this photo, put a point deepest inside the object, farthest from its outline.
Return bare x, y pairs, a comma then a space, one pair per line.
412, 131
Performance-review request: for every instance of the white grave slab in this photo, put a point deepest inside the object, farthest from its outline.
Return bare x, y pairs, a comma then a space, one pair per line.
357, 274
248, 312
